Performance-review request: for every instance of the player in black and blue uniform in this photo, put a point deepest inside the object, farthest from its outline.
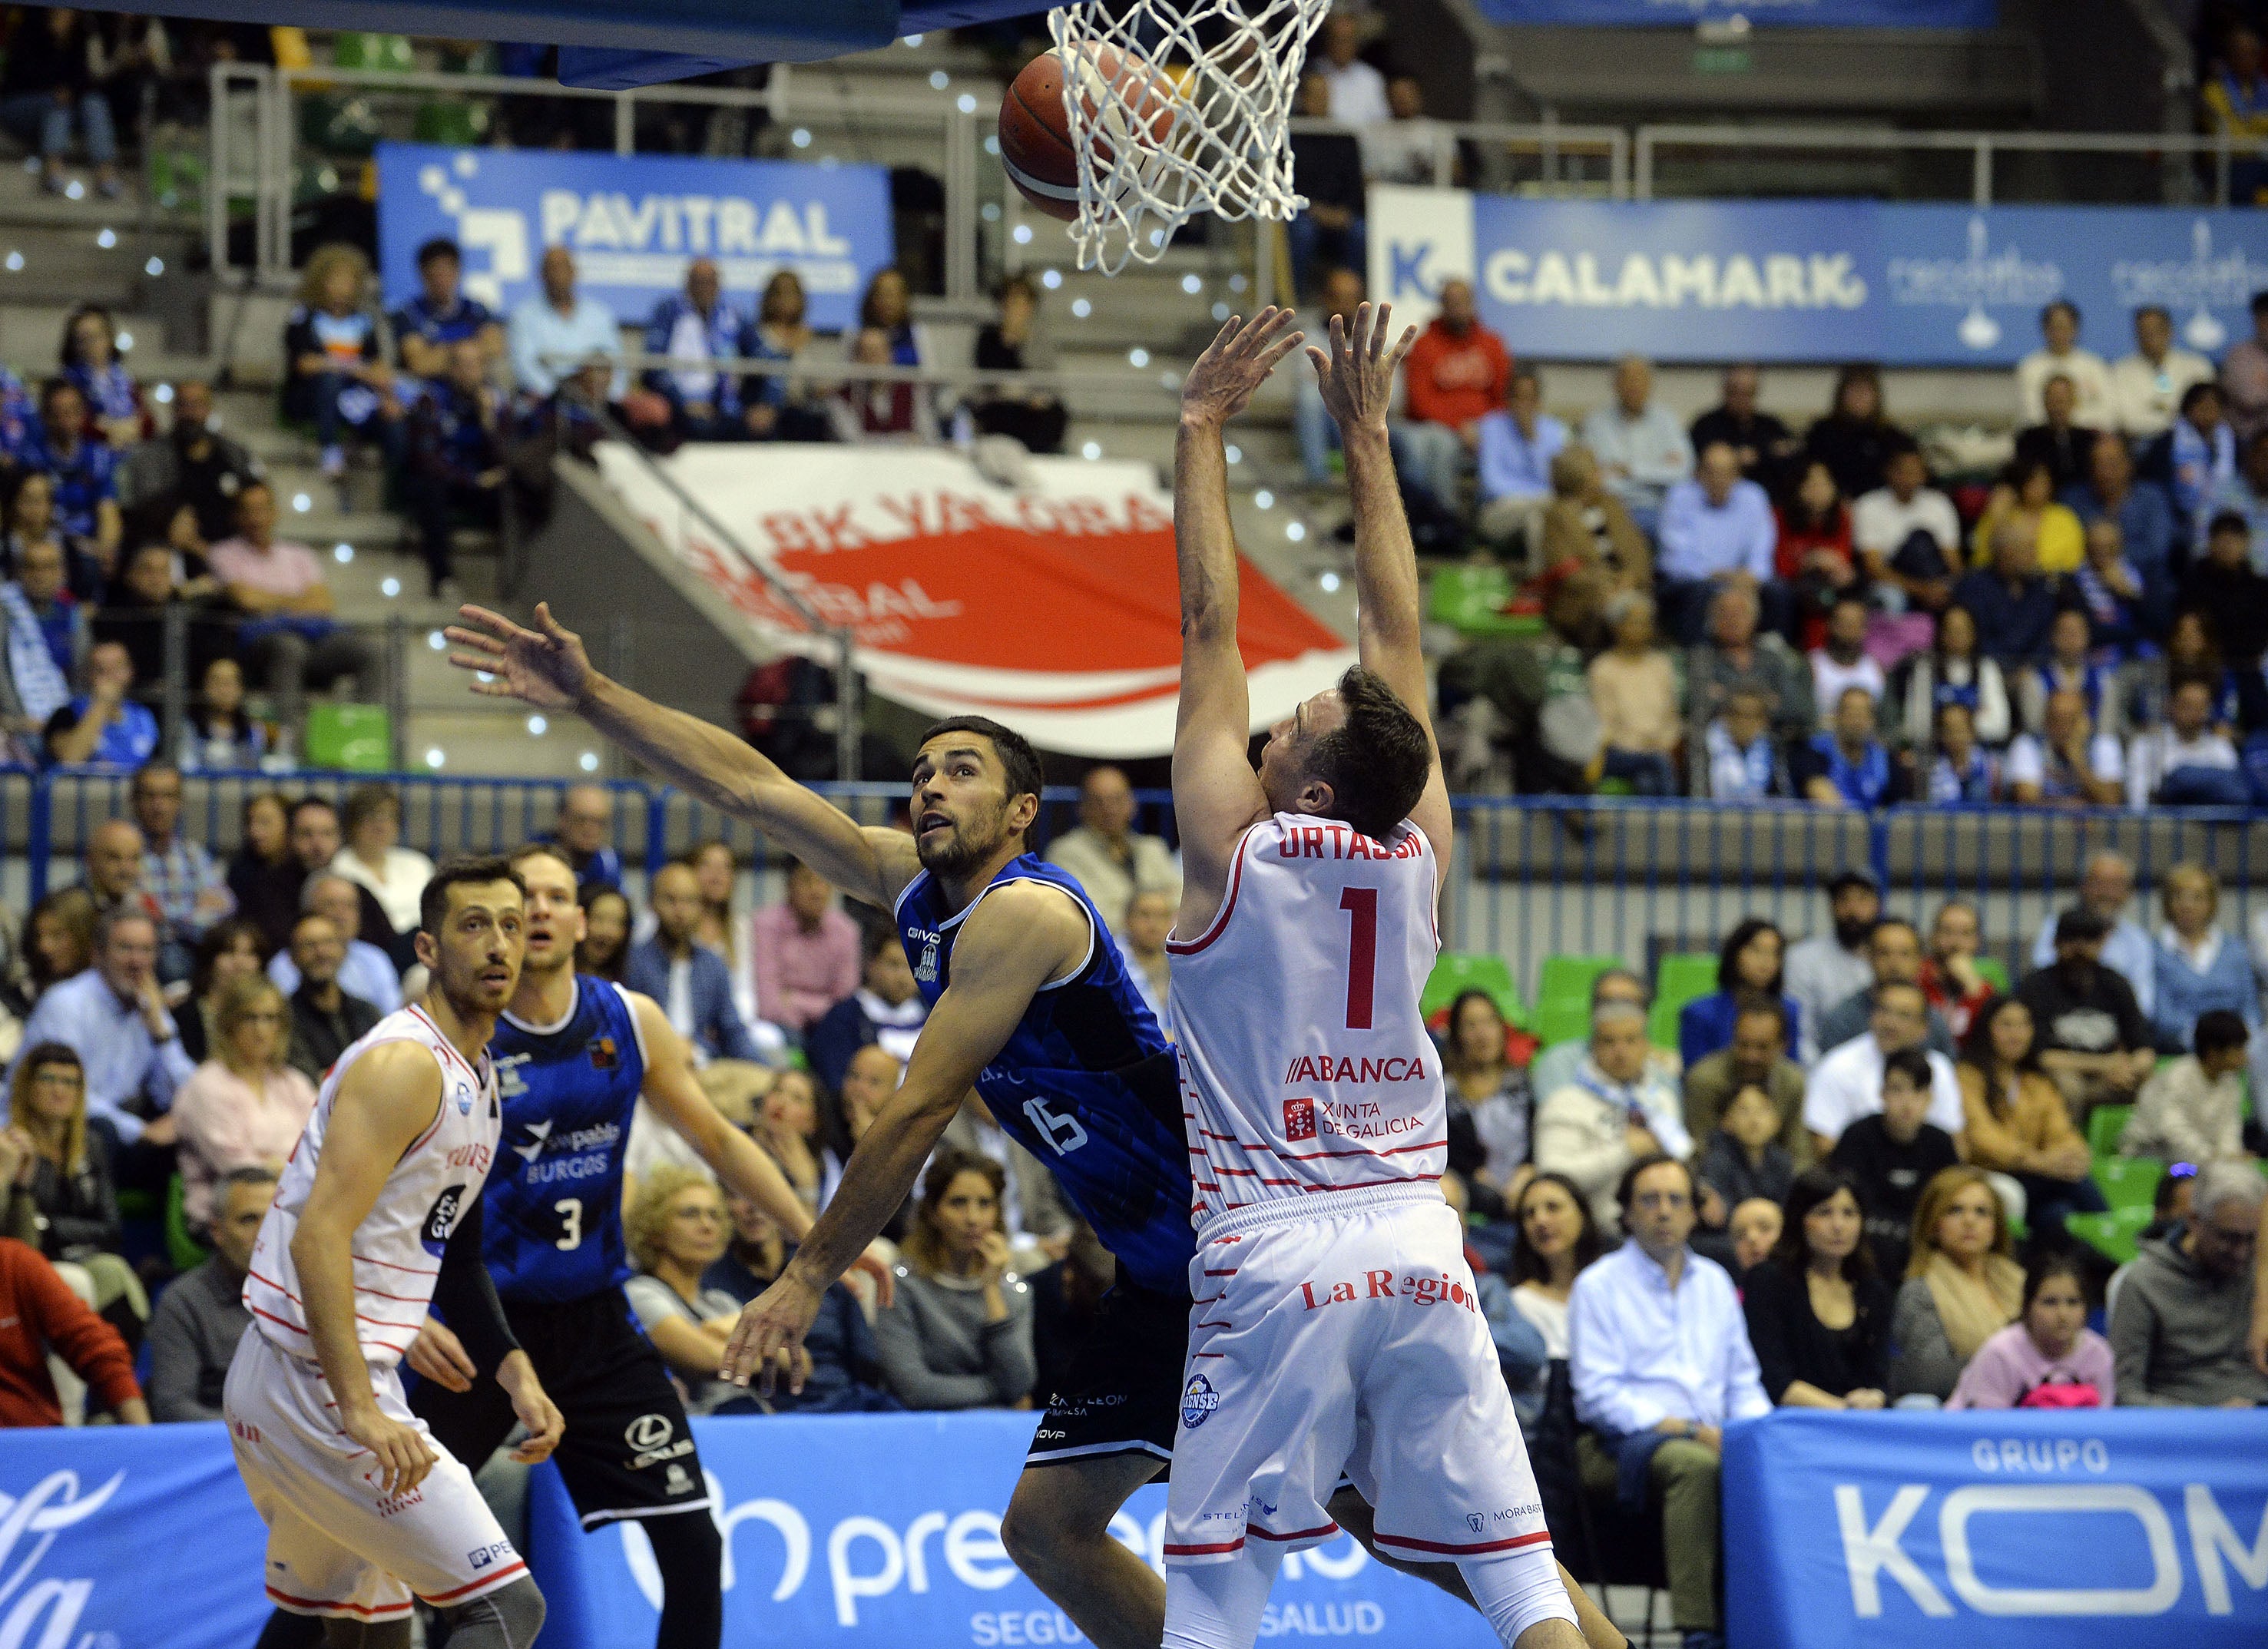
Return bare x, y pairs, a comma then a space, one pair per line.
573, 1055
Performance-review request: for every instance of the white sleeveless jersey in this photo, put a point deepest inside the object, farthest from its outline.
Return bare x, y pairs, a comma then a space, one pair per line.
397, 1248
1305, 1062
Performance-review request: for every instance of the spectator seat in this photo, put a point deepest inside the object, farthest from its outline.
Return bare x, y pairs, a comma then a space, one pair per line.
1678, 979
2128, 1181
181, 1248
1460, 971
349, 737
1995, 972
2113, 1235
1471, 600
385, 53
2104, 1124
1563, 996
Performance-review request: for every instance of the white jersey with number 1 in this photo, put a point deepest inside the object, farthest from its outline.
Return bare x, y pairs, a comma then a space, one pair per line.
1305, 1061
1334, 1324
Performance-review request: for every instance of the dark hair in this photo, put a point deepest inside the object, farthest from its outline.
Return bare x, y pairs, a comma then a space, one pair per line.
2021, 470
1527, 1266
2048, 1264
1977, 1049
218, 940
69, 356
461, 870
2227, 521
2063, 304
1728, 955
1025, 776
874, 939
1377, 760
1817, 1184
52, 388
1875, 932
1453, 1057
2217, 1030
1629, 1182
612, 966
364, 801
1912, 1064
304, 802
2203, 387
439, 246
1857, 372
1752, 1003
924, 1247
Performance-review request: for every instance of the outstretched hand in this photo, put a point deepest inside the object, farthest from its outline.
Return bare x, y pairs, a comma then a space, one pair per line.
1357, 375
1221, 383
545, 667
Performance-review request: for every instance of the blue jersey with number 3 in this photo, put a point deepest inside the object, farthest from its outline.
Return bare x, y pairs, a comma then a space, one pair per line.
552, 1225
1085, 1082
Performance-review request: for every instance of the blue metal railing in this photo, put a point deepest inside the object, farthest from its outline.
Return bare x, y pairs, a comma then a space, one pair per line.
1531, 876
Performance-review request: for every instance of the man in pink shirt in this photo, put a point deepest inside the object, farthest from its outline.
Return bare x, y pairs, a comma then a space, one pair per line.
1457, 373
806, 953
288, 636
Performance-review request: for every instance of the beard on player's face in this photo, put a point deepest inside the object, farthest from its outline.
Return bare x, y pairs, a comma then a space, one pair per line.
965, 842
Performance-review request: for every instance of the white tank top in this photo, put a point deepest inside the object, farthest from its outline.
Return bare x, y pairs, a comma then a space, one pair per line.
397, 1248
1305, 1062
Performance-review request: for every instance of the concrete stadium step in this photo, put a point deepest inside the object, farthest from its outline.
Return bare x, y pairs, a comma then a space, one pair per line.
478, 739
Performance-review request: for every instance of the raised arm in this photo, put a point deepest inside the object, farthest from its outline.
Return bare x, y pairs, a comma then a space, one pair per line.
548, 667
1017, 941
1356, 376
1216, 793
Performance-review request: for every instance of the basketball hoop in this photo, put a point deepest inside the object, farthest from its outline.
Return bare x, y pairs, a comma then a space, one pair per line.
1175, 109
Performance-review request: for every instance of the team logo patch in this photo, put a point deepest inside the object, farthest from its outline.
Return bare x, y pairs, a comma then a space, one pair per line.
604, 1054
648, 1431
1198, 1401
1476, 1522
464, 1099
441, 1219
1298, 1119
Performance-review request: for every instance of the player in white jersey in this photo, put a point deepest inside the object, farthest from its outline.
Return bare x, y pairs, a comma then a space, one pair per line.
377, 1216
1335, 1325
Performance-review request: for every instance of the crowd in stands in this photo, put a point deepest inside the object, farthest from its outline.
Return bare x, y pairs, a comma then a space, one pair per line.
1727, 609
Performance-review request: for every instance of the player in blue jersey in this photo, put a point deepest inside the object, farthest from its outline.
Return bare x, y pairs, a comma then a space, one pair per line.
573, 1055
1032, 1008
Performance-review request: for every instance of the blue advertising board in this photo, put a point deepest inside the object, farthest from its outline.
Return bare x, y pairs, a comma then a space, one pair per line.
633, 224
883, 1531
1815, 280
1862, 14
2022, 1529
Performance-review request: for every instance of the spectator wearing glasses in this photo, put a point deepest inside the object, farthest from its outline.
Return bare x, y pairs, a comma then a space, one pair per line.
1661, 1363
2177, 1332
243, 1106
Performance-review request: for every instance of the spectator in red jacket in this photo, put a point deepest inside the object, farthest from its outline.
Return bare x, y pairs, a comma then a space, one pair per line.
1814, 555
1456, 375
40, 1313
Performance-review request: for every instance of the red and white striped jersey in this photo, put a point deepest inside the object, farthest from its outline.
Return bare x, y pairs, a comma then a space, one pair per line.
397, 1248
1305, 1062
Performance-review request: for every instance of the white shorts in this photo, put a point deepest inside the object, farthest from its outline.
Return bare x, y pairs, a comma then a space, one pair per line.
337, 1544
1345, 1338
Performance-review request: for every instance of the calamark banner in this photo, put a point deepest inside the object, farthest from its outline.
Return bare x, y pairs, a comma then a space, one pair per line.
2017, 1529
1864, 14
1054, 608
1700, 281
633, 224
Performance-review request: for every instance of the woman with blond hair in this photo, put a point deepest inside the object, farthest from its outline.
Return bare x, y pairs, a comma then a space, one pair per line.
336, 376
1962, 1286
62, 1197
2200, 965
58, 939
675, 1228
959, 1334
244, 1108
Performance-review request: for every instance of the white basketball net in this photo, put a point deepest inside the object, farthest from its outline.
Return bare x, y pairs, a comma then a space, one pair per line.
1193, 119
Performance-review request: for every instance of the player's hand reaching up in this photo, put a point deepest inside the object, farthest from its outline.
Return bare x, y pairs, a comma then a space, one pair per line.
545, 667
768, 1341
1355, 374
1235, 364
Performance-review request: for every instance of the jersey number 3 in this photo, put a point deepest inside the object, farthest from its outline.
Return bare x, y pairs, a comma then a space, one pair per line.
1064, 1133
569, 1210
1361, 906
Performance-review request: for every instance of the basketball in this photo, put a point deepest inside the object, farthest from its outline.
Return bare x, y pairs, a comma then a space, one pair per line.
1035, 140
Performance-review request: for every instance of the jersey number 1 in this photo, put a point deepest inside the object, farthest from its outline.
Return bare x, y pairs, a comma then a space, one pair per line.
1361, 906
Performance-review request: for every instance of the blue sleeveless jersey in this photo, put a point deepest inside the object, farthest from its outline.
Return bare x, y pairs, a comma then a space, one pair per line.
1086, 1083
552, 1221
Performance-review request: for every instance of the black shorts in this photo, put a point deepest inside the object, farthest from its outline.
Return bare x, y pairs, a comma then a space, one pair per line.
627, 1453
1124, 1394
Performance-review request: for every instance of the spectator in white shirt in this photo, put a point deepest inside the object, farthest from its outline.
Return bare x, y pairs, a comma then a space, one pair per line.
1660, 1362
1641, 447
1847, 1082
2066, 763
2146, 386
1405, 149
2184, 762
1908, 533
558, 326
1357, 90
2088, 375
1826, 968
1844, 663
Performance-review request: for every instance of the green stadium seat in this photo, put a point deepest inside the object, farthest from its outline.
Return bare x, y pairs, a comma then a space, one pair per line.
183, 1250
1460, 971
349, 737
2104, 1124
458, 123
1995, 971
1471, 599
2113, 1235
1680, 979
386, 54
2129, 1181
1563, 996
